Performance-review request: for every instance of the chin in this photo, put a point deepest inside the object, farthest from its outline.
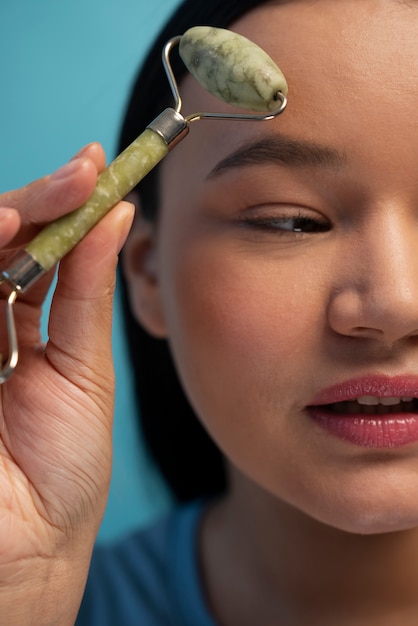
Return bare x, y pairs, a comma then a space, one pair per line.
369, 500
378, 524
373, 518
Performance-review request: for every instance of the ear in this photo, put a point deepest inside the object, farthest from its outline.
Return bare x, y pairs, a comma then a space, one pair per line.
139, 264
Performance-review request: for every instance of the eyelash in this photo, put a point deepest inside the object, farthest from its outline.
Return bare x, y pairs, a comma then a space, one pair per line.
302, 224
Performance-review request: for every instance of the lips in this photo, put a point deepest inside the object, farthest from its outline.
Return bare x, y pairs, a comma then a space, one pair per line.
373, 412
372, 405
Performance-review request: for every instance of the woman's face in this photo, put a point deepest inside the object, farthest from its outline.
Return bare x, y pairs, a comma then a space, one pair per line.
285, 273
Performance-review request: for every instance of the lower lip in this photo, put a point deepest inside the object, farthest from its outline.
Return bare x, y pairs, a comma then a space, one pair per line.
369, 431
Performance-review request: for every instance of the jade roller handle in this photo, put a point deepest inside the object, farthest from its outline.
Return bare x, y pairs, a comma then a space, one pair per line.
114, 183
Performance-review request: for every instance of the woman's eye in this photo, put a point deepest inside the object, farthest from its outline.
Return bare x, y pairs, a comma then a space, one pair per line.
298, 223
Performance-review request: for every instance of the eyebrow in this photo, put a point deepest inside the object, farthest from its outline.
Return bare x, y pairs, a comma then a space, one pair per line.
281, 150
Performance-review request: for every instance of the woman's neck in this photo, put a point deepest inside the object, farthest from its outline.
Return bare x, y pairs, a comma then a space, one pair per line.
265, 562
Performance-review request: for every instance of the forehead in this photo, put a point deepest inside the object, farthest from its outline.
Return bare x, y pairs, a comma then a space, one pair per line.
369, 28
352, 70
341, 56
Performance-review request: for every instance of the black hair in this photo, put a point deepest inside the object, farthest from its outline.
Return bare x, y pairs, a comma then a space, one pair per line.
189, 461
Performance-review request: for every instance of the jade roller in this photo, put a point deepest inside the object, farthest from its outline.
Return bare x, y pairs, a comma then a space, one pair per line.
230, 67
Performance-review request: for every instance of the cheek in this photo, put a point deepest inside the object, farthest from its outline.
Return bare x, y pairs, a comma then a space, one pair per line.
241, 335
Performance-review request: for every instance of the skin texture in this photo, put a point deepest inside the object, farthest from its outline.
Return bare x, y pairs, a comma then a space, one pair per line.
262, 319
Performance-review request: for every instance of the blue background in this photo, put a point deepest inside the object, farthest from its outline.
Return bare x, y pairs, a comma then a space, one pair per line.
66, 69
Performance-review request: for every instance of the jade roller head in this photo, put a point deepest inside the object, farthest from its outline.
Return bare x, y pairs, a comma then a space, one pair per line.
227, 65
233, 69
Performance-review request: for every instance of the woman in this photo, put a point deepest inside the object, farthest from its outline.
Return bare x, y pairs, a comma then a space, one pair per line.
282, 270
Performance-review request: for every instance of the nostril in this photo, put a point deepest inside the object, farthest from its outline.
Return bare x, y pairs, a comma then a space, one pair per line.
365, 331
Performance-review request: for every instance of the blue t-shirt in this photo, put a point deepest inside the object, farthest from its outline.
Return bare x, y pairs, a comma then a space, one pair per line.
151, 578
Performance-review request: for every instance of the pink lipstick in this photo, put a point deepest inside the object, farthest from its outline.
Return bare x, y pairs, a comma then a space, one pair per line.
372, 412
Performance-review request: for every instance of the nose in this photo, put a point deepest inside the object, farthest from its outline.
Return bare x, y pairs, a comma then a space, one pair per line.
375, 294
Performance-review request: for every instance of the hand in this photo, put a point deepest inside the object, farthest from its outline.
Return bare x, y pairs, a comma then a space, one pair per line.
56, 409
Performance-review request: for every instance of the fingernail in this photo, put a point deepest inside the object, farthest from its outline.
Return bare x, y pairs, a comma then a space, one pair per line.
83, 150
66, 170
6, 214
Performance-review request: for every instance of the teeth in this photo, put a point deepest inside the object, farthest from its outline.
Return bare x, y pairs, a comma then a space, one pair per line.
368, 400
389, 401
375, 400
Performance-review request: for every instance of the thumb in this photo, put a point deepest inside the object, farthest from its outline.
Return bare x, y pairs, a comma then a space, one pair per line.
80, 323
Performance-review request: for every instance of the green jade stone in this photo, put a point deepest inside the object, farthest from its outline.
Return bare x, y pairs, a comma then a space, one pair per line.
114, 183
232, 68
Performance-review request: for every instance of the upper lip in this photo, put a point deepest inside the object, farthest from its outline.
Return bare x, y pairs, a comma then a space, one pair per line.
373, 385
